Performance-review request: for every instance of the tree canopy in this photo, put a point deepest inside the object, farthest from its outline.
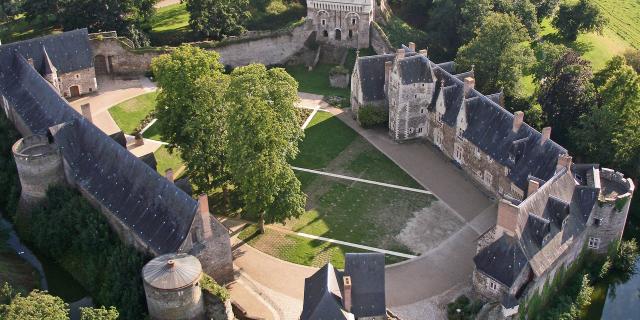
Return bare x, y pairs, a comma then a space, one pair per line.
499, 53
101, 313
573, 18
217, 19
37, 305
191, 112
566, 93
265, 133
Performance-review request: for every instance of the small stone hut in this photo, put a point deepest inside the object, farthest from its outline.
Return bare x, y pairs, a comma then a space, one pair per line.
172, 287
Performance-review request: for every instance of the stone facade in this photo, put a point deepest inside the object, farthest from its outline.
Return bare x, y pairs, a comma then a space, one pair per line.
346, 23
78, 83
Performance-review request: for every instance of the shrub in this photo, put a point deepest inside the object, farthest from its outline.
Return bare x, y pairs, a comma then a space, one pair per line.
463, 309
372, 116
626, 256
208, 284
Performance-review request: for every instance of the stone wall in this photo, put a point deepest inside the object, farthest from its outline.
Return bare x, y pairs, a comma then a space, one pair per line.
339, 24
84, 79
215, 308
339, 80
270, 48
481, 286
379, 41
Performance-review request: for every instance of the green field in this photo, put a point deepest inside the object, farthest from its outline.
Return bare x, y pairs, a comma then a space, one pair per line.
170, 26
623, 18
129, 114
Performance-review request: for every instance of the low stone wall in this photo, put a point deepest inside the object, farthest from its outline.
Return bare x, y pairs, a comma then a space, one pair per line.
268, 48
379, 40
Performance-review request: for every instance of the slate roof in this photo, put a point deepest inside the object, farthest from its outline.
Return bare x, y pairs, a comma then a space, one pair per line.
367, 280
503, 260
371, 71
153, 208
322, 297
69, 51
415, 69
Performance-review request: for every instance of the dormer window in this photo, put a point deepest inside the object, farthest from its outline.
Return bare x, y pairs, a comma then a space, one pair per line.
460, 133
476, 152
512, 157
596, 222
489, 159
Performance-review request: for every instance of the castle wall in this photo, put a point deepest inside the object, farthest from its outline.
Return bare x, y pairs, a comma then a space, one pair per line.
214, 252
344, 25
182, 304
85, 80
268, 48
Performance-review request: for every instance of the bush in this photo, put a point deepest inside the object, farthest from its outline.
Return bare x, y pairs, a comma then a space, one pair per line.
208, 284
463, 309
83, 243
625, 257
372, 116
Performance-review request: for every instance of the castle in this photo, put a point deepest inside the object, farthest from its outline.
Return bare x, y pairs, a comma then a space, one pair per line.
60, 146
549, 209
342, 23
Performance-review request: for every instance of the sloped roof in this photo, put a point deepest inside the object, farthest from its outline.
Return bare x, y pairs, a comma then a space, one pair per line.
69, 51
367, 281
322, 297
172, 271
502, 260
154, 209
371, 71
415, 69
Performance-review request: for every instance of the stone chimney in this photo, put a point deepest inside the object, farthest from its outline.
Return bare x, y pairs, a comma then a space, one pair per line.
546, 135
518, 119
86, 111
424, 52
399, 54
388, 65
203, 211
169, 174
564, 161
533, 187
412, 46
469, 84
346, 299
507, 217
138, 139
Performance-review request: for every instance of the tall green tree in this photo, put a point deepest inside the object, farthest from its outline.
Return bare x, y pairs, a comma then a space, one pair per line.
265, 133
101, 313
473, 14
566, 93
37, 305
547, 54
574, 18
633, 59
609, 133
34, 9
500, 54
443, 39
191, 112
217, 19
545, 8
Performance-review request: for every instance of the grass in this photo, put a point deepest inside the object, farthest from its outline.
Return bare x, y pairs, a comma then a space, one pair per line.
170, 26
623, 17
325, 137
129, 114
316, 81
19, 28
168, 160
301, 250
399, 32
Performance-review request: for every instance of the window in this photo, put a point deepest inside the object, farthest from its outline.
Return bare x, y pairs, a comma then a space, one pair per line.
488, 178
353, 21
458, 153
493, 286
325, 33
420, 130
421, 110
459, 134
597, 222
77, 76
437, 137
415, 96
323, 22
594, 243
410, 130
476, 152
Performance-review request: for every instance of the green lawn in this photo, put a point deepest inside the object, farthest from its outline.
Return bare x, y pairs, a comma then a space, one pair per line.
128, 114
316, 81
168, 160
623, 18
325, 137
301, 250
21, 29
170, 26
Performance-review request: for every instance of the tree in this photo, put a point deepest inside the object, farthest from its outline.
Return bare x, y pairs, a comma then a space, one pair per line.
624, 260
217, 19
608, 133
264, 128
34, 9
9, 9
37, 305
499, 53
444, 40
101, 313
583, 16
191, 112
473, 14
545, 8
566, 93
547, 54
524, 10
633, 59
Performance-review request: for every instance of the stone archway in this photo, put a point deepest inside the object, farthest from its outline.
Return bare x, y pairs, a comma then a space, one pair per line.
100, 64
338, 35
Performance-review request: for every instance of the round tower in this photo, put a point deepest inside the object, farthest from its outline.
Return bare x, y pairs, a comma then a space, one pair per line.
172, 287
610, 214
39, 165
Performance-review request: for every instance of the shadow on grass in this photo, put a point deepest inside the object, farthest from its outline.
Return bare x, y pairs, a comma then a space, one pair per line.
579, 46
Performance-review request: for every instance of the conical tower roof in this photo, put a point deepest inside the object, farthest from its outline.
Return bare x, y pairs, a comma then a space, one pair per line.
47, 65
172, 271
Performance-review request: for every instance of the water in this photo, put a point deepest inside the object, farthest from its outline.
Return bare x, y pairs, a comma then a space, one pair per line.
52, 277
623, 300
